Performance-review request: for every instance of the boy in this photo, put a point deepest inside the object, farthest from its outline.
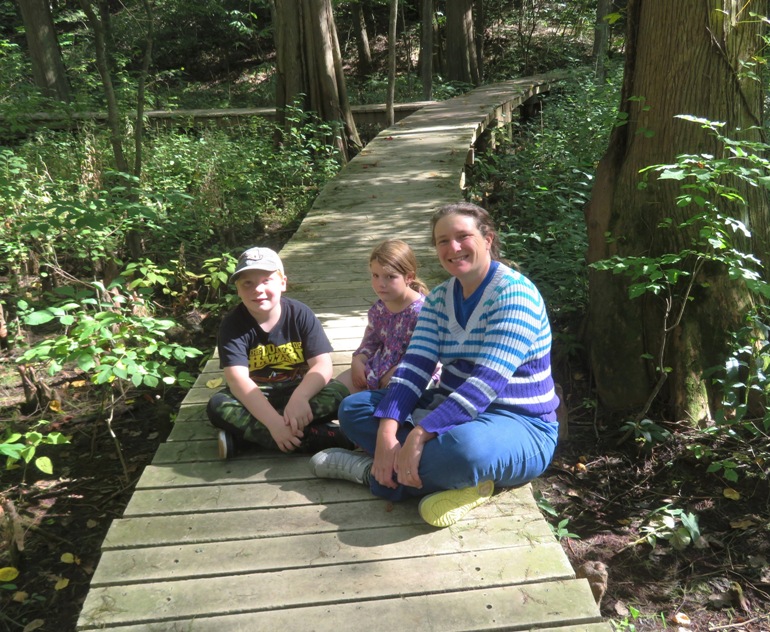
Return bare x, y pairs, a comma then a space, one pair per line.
277, 364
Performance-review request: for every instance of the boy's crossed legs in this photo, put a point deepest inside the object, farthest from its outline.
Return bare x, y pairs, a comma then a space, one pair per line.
227, 413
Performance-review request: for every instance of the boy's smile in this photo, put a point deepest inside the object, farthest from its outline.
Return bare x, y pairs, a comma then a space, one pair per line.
260, 291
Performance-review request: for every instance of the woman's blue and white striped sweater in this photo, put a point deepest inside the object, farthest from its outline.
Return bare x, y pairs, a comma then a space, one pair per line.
501, 357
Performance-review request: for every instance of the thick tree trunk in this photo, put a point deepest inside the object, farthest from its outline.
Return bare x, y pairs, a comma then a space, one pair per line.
461, 62
47, 65
692, 66
309, 66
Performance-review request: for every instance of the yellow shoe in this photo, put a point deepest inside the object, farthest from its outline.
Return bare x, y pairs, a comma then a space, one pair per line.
445, 508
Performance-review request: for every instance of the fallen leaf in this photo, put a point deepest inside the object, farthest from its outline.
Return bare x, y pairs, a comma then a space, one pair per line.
34, 625
69, 558
732, 494
92, 523
78, 383
8, 573
20, 596
215, 383
680, 618
54, 405
745, 523
62, 583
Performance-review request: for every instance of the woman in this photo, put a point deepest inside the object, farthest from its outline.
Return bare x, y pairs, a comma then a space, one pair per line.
492, 419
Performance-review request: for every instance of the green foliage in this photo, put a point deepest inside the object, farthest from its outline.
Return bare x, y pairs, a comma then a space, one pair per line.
676, 526
716, 237
18, 446
539, 185
646, 432
560, 530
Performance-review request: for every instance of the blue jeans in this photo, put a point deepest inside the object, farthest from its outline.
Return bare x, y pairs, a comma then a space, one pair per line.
498, 445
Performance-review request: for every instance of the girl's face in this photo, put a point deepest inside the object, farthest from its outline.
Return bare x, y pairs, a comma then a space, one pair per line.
389, 285
462, 250
260, 291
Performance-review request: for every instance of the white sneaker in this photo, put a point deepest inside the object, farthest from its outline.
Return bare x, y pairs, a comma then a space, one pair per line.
343, 464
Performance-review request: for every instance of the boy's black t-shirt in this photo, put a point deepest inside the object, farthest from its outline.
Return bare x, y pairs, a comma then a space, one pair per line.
278, 356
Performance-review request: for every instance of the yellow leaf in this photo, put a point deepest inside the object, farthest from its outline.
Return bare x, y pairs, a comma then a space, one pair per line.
68, 558
746, 523
8, 573
78, 383
20, 596
730, 493
92, 523
34, 625
680, 618
55, 405
215, 383
62, 583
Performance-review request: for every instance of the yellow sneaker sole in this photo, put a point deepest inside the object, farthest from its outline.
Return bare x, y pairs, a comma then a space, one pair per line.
443, 509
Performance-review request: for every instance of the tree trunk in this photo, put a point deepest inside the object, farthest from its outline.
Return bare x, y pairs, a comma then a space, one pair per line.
309, 66
362, 41
692, 66
601, 39
461, 62
101, 31
426, 50
392, 27
47, 65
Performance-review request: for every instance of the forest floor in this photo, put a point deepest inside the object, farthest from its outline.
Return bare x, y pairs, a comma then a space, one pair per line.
606, 492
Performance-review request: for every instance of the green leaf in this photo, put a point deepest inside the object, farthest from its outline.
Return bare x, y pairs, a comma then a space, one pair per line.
44, 464
39, 318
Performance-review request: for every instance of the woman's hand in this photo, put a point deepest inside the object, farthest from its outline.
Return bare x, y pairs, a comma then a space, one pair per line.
385, 453
408, 460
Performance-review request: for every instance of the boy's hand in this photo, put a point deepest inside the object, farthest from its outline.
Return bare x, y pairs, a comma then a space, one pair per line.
297, 414
284, 437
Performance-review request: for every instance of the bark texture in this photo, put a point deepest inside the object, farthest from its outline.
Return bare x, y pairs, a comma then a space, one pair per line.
461, 61
309, 65
683, 57
47, 65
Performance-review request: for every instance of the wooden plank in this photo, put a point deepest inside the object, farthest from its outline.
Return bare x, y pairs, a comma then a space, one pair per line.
520, 607
267, 522
185, 561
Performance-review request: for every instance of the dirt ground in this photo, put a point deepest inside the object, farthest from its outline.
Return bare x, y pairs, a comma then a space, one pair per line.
605, 492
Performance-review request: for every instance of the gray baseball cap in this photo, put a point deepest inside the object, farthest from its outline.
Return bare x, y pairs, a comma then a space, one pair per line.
258, 259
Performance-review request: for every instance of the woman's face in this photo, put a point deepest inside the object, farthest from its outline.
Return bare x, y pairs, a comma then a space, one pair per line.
462, 250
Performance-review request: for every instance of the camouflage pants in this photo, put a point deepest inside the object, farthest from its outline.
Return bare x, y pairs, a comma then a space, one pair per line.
226, 412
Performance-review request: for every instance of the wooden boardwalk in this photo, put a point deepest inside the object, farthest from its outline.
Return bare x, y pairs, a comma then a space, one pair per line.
257, 543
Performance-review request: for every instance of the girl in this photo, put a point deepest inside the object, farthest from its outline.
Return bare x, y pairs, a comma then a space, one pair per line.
392, 318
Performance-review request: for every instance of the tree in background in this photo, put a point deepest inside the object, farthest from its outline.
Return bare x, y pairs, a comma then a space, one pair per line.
309, 66
47, 65
461, 61
362, 39
426, 49
683, 58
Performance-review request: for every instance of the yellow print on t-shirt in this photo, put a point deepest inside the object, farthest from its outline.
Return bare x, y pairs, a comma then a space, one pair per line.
280, 358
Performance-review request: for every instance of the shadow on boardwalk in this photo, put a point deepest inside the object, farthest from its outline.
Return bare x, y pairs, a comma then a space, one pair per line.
257, 543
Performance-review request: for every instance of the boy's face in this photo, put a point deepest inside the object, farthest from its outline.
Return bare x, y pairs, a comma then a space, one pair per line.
260, 292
